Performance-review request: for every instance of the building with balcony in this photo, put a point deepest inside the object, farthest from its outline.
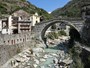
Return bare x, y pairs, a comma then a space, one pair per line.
19, 22
34, 18
12, 25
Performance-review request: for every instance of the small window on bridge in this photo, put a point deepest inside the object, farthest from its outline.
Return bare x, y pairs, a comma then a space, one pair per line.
8, 41
87, 12
17, 40
20, 39
23, 40
12, 42
4, 41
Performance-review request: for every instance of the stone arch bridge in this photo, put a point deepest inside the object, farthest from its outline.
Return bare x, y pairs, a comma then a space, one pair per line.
41, 28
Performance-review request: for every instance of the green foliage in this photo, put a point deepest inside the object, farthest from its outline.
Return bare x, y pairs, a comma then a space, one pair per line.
44, 14
77, 63
23, 0
55, 35
10, 6
2, 9
52, 35
71, 9
60, 33
89, 59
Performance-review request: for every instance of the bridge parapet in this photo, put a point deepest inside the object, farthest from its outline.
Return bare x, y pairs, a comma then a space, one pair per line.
76, 22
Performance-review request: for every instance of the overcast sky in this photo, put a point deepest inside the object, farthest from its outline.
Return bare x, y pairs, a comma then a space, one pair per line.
49, 5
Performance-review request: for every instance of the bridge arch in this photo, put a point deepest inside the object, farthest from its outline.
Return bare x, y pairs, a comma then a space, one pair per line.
73, 31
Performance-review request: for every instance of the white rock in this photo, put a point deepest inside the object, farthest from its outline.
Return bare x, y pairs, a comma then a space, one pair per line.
57, 67
23, 63
28, 51
27, 67
37, 61
46, 56
20, 59
12, 62
22, 55
35, 65
34, 54
40, 45
50, 66
56, 60
67, 61
60, 60
38, 50
42, 60
28, 64
25, 53
54, 54
50, 56
42, 67
16, 64
61, 66
38, 55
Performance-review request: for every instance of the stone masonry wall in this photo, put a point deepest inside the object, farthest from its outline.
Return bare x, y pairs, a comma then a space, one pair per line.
14, 39
11, 45
39, 27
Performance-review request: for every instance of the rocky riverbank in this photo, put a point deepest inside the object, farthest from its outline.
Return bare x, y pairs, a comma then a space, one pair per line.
55, 56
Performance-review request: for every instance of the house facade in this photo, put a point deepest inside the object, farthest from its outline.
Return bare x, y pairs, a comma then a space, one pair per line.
19, 22
35, 19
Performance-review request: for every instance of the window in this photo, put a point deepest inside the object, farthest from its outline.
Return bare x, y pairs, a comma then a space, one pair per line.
4, 41
20, 39
17, 40
8, 41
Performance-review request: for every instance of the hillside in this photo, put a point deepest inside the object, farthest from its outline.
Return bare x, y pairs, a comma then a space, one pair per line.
10, 6
71, 9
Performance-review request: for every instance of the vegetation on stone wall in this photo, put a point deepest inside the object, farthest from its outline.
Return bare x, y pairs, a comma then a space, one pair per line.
77, 62
80, 56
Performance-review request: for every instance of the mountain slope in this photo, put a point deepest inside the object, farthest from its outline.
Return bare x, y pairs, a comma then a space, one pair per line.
10, 6
71, 9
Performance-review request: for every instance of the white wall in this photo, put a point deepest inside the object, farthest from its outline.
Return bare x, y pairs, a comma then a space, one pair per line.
34, 18
6, 31
0, 25
67, 29
10, 24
